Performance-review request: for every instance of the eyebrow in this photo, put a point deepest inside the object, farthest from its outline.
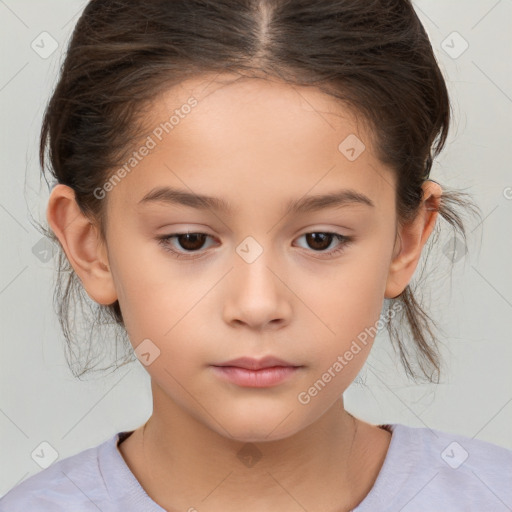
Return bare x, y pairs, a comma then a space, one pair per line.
305, 204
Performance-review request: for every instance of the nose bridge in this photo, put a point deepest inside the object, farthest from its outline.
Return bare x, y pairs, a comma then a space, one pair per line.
253, 266
257, 294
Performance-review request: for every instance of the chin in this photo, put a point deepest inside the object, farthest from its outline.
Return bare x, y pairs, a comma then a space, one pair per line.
264, 429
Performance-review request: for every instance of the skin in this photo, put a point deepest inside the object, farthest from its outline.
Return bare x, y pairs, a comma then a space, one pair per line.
256, 144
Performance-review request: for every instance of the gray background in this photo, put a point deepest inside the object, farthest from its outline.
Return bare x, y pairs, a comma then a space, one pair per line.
40, 399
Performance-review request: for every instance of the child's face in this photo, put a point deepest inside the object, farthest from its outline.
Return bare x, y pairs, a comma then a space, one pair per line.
256, 146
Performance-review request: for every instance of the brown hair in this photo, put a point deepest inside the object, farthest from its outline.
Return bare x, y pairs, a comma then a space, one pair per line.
372, 55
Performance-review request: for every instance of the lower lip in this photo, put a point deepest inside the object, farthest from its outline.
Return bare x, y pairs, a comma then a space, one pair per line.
256, 378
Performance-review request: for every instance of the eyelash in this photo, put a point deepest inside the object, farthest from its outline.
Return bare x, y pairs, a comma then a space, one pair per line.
166, 244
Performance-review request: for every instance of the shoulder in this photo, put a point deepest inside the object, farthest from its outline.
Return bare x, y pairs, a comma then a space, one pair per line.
449, 470
73, 483
455, 454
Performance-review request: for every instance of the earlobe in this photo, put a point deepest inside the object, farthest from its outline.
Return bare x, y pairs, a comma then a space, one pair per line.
82, 244
411, 239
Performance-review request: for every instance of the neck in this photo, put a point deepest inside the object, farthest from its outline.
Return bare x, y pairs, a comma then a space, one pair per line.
180, 462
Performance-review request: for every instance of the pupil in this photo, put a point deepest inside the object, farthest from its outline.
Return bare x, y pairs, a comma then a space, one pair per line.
191, 241
319, 237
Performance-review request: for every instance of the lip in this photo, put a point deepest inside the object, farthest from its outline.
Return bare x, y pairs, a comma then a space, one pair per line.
250, 363
256, 373
265, 377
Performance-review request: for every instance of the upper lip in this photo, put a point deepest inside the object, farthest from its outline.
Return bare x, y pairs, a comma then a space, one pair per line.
251, 363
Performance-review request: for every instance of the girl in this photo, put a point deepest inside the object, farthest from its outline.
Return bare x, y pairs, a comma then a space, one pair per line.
242, 186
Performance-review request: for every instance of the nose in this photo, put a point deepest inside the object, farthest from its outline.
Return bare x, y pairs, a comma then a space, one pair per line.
257, 295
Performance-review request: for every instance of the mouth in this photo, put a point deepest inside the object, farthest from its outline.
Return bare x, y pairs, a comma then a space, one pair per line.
258, 373
250, 363
262, 378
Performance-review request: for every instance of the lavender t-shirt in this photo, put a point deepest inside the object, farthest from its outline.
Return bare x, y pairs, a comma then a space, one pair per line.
424, 470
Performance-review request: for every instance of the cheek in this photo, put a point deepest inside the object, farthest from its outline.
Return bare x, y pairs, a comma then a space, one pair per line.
162, 304
349, 305
355, 290
144, 290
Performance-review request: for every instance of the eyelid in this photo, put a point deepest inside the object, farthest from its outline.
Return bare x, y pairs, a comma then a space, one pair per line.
165, 242
343, 242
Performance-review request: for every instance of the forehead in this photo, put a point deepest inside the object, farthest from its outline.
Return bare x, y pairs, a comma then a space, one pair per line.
248, 139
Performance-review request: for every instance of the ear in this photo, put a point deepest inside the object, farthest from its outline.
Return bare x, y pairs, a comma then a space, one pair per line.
82, 244
412, 237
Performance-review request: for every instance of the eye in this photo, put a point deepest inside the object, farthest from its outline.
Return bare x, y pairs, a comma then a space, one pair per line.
191, 243
320, 240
